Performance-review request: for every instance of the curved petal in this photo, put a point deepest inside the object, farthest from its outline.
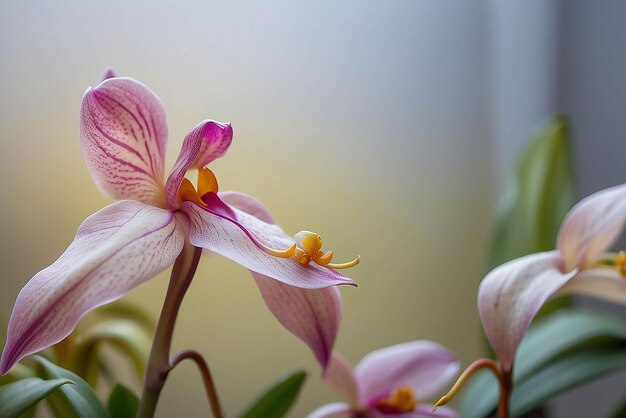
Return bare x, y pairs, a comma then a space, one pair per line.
599, 283
313, 315
123, 134
510, 296
425, 366
332, 410
206, 142
114, 250
230, 235
246, 203
592, 226
339, 375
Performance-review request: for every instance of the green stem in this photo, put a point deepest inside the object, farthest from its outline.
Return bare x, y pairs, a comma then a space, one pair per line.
159, 364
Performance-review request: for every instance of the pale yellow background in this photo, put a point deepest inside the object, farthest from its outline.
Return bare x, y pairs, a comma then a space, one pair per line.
364, 122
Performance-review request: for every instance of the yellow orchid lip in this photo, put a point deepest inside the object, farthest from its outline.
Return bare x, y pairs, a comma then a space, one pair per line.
400, 400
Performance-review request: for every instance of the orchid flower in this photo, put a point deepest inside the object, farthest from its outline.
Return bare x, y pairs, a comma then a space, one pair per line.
390, 381
510, 296
123, 135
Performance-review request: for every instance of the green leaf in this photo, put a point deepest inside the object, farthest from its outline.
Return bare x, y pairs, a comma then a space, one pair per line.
276, 401
122, 309
566, 373
77, 400
17, 397
127, 336
538, 196
123, 403
547, 340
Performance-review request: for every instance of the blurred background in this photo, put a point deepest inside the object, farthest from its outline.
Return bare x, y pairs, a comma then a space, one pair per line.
387, 127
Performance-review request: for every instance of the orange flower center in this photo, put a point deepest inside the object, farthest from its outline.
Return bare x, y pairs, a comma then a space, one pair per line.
620, 263
401, 400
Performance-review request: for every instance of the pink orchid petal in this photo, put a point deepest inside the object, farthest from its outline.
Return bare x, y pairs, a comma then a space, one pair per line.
600, 283
206, 142
246, 203
510, 296
426, 411
229, 234
591, 227
313, 315
425, 366
339, 375
332, 410
114, 250
123, 134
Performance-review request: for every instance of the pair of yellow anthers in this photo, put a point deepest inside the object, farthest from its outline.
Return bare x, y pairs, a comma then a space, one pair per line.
308, 245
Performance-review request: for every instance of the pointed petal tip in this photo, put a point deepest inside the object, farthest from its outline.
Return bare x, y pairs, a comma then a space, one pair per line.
109, 72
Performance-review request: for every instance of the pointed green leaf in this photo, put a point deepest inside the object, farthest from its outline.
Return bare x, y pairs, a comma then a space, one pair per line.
77, 400
538, 196
17, 397
276, 401
566, 373
547, 340
125, 335
123, 402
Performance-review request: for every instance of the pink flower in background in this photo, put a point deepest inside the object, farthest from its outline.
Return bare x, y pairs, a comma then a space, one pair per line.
391, 382
511, 295
123, 139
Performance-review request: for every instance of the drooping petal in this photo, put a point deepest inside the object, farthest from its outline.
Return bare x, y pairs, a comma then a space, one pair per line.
510, 296
123, 133
425, 366
249, 204
591, 227
332, 410
313, 315
229, 233
206, 142
340, 376
114, 250
600, 283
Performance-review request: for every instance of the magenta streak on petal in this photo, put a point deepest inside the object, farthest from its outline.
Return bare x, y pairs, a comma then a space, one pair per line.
120, 161
221, 209
27, 335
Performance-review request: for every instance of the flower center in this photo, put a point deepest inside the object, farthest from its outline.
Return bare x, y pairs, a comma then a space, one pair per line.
308, 244
613, 262
401, 400
207, 182
310, 249
620, 263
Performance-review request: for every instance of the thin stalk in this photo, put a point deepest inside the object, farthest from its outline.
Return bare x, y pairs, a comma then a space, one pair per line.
504, 378
158, 363
209, 386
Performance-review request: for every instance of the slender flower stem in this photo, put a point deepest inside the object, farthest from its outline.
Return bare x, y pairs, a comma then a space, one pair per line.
504, 378
158, 363
209, 386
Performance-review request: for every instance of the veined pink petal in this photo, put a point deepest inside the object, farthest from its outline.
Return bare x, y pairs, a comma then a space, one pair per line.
246, 203
510, 296
600, 283
332, 410
339, 375
591, 227
206, 142
425, 366
114, 250
313, 315
123, 134
229, 234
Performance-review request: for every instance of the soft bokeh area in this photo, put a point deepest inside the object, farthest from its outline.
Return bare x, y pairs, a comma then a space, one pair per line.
367, 122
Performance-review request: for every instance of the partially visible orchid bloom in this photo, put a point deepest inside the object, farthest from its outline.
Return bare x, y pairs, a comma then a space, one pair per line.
123, 136
391, 382
510, 296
